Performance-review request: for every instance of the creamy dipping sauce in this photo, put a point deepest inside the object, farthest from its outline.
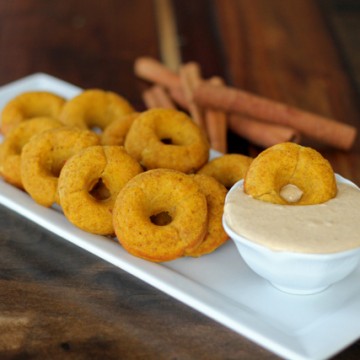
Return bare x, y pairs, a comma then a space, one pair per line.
323, 228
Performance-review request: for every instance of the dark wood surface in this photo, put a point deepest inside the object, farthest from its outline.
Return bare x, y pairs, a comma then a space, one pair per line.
58, 301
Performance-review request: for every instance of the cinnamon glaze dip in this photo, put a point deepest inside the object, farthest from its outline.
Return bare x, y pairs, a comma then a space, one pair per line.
333, 226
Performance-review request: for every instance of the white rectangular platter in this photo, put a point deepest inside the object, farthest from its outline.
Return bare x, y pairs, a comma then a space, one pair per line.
219, 285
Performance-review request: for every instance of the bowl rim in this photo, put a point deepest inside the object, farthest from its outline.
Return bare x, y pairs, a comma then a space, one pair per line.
284, 253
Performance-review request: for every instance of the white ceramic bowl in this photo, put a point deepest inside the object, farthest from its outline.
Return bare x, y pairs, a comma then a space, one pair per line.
291, 272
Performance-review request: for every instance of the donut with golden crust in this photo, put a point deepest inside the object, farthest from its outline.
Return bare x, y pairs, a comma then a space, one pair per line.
89, 184
44, 156
167, 138
290, 164
94, 109
166, 194
227, 169
215, 194
28, 105
11, 147
115, 133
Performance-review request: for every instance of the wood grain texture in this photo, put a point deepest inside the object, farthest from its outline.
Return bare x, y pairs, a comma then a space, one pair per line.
88, 43
167, 35
275, 52
58, 300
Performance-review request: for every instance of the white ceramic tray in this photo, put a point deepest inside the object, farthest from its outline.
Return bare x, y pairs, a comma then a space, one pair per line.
219, 285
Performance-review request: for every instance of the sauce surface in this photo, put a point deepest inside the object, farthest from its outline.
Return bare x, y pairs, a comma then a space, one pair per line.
323, 228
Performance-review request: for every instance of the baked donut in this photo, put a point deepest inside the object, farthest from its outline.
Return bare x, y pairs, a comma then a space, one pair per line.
166, 138
11, 147
29, 105
169, 195
94, 109
115, 133
215, 194
89, 184
288, 166
44, 156
227, 169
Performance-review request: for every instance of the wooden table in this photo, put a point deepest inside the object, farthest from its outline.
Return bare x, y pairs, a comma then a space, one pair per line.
58, 301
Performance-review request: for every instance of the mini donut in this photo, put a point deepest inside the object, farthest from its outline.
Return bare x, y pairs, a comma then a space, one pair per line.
160, 194
44, 156
94, 109
227, 169
215, 194
290, 164
11, 148
167, 138
115, 133
29, 105
89, 184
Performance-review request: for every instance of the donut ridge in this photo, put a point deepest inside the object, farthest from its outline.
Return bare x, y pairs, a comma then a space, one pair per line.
11, 147
166, 138
44, 156
28, 105
290, 164
94, 109
116, 132
150, 194
89, 184
227, 168
215, 194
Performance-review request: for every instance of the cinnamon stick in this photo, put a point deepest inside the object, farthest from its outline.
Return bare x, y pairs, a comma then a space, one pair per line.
216, 124
271, 134
190, 79
163, 98
152, 70
177, 94
259, 133
230, 99
149, 99
157, 97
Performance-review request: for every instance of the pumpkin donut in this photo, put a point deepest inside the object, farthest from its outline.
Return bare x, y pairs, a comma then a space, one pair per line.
215, 194
165, 194
115, 133
29, 105
44, 156
166, 138
89, 184
289, 166
227, 169
11, 148
94, 109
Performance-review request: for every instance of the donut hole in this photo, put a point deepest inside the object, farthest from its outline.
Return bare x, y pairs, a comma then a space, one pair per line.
167, 141
56, 166
291, 193
55, 171
99, 191
161, 219
96, 129
168, 138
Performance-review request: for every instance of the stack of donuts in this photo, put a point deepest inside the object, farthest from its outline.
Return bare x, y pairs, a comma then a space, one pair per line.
145, 177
